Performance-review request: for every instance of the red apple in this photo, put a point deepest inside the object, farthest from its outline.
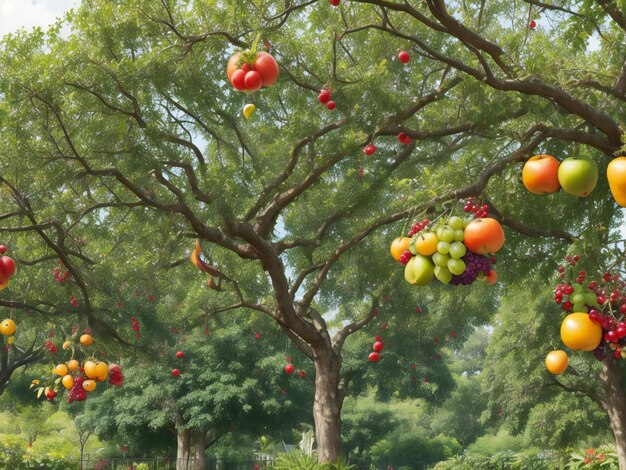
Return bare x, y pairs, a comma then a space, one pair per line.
7, 266
404, 57
180, 354
289, 368
378, 346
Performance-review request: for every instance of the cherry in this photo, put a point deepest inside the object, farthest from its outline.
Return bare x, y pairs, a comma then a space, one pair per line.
3, 249
601, 299
289, 368
611, 336
621, 332
568, 290
593, 316
454, 334
335, 3
374, 357
378, 338
404, 57
302, 373
567, 305
331, 105
532, 24
180, 354
617, 354
378, 346
51, 395
324, 96
175, 372
560, 269
369, 149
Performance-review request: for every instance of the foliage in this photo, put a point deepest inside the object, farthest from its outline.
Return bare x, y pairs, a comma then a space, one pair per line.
603, 457
298, 460
527, 460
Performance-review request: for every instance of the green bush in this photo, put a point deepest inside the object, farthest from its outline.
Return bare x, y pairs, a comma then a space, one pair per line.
401, 448
298, 460
14, 456
604, 457
529, 460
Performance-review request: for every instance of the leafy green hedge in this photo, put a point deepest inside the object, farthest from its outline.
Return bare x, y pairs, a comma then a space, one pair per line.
13, 456
508, 460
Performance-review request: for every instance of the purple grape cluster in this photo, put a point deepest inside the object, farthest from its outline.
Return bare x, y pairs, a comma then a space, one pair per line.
475, 264
599, 353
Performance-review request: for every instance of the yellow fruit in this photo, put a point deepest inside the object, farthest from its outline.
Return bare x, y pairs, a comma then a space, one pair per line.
11, 339
73, 365
86, 340
102, 372
579, 333
399, 246
556, 362
7, 327
66, 345
90, 369
248, 110
89, 385
68, 381
54, 370
61, 370
426, 243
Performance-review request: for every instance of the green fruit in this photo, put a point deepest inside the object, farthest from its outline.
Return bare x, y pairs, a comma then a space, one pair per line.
457, 249
456, 223
441, 259
578, 299
419, 270
590, 299
459, 235
445, 234
456, 266
579, 308
443, 248
578, 176
412, 245
443, 274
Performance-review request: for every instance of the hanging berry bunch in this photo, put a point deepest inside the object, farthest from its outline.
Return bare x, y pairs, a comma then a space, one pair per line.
454, 250
250, 70
80, 374
596, 310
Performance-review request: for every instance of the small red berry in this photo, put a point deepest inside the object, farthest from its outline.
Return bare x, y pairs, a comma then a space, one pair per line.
289, 368
331, 105
3, 249
532, 24
369, 149
335, 3
302, 374
374, 357
404, 57
324, 96
180, 354
378, 346
175, 372
258, 336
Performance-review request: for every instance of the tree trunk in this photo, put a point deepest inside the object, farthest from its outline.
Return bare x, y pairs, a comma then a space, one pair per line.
183, 451
199, 443
327, 405
615, 406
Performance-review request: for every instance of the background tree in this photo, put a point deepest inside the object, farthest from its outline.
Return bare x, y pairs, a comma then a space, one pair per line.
132, 103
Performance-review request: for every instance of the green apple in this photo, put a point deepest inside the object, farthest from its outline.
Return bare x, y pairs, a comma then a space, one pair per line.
578, 176
443, 274
419, 270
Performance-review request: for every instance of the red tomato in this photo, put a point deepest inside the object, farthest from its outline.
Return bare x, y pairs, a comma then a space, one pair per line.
238, 80
253, 80
267, 67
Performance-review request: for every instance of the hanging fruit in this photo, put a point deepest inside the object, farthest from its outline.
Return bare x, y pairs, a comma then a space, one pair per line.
556, 362
251, 70
579, 333
7, 327
540, 174
578, 176
616, 174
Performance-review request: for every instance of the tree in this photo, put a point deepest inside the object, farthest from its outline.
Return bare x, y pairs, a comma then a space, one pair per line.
134, 105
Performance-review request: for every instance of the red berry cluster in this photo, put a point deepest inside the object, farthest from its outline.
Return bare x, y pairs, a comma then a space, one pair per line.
418, 226
324, 98
473, 208
603, 299
405, 257
377, 347
51, 347
115, 376
361, 172
369, 149
77, 392
73, 301
404, 139
136, 326
60, 276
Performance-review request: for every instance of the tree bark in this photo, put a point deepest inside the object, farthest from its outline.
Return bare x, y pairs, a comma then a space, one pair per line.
615, 405
327, 404
199, 443
183, 451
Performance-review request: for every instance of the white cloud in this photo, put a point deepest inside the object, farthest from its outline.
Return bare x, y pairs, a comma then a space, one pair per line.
15, 14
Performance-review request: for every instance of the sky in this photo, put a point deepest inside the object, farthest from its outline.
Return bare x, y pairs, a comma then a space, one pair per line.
15, 14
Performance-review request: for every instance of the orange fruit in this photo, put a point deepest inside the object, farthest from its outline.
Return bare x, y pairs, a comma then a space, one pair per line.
580, 333
426, 243
66, 345
399, 246
556, 362
7, 327
61, 370
68, 381
90, 369
616, 174
492, 277
484, 236
102, 372
89, 385
73, 365
540, 174
86, 340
